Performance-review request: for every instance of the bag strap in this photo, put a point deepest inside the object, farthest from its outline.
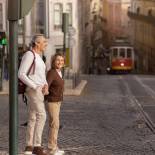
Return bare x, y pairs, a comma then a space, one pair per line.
33, 64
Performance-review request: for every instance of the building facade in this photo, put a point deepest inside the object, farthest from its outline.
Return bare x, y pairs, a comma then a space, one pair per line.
98, 37
73, 39
85, 27
142, 15
3, 21
46, 17
117, 23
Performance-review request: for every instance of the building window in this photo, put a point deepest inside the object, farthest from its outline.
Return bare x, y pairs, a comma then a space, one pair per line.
1, 16
57, 16
115, 52
69, 11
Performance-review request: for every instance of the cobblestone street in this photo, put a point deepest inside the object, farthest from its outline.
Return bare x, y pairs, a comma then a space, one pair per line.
103, 120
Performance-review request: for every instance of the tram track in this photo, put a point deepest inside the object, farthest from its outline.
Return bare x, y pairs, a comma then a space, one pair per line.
138, 105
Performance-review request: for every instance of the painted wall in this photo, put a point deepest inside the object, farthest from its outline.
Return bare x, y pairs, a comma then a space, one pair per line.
143, 34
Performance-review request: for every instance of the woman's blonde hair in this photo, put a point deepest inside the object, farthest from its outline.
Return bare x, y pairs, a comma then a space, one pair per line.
53, 59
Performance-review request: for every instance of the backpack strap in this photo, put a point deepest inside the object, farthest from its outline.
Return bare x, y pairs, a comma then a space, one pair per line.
33, 64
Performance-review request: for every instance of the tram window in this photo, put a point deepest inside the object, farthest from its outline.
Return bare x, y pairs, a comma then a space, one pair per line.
122, 52
115, 51
128, 52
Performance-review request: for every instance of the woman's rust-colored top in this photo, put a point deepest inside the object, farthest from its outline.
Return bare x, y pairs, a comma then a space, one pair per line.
56, 86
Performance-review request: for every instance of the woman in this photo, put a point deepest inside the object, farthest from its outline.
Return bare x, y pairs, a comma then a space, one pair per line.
54, 98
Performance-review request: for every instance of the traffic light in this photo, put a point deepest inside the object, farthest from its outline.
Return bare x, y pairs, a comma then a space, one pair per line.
65, 22
3, 40
17, 9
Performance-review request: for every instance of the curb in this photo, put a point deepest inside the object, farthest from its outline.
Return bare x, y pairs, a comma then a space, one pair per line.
77, 91
6, 153
4, 93
5, 86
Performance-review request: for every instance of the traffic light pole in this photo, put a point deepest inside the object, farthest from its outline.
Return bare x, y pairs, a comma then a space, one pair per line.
1, 67
64, 30
64, 50
13, 96
17, 9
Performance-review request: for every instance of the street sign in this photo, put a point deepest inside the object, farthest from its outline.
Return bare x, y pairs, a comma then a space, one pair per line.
71, 31
26, 6
70, 42
65, 22
17, 9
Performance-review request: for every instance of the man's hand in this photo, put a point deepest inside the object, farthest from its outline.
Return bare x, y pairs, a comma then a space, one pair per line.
45, 89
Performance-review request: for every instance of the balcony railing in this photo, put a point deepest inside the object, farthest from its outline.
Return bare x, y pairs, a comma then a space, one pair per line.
145, 18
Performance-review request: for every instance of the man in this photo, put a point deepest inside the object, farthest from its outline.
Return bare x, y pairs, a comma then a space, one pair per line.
36, 89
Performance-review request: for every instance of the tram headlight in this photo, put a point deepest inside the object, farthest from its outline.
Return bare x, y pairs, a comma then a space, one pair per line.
108, 69
122, 64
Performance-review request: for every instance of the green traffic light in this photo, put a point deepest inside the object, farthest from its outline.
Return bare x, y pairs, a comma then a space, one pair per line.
4, 41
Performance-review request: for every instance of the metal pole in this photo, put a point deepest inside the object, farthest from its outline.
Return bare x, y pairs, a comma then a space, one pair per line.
64, 44
46, 18
64, 30
64, 51
1, 67
93, 54
13, 97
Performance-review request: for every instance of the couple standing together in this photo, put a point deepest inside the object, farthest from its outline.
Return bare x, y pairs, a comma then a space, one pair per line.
40, 86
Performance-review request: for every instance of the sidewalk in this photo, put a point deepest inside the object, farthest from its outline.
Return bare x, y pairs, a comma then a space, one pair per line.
77, 90
4, 94
5, 90
68, 91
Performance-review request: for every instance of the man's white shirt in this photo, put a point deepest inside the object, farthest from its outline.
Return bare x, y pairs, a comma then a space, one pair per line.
38, 78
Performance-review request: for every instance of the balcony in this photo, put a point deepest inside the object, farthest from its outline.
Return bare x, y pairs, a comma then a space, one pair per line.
144, 18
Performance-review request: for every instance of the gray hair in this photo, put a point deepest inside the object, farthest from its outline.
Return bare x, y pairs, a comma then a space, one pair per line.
35, 39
